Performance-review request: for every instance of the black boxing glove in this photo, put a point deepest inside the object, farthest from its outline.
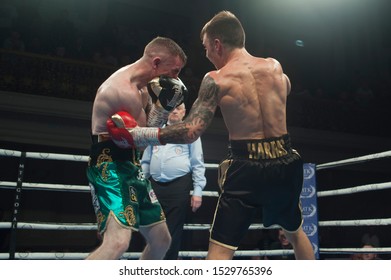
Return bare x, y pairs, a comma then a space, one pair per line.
169, 91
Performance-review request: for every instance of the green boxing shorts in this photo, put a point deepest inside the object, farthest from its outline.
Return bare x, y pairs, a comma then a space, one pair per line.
119, 188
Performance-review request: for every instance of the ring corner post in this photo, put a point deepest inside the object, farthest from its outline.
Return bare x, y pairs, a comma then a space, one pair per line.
16, 208
309, 204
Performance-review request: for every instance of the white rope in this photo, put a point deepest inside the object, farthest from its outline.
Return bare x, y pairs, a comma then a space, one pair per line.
84, 158
51, 226
54, 156
366, 222
92, 226
135, 255
196, 226
45, 256
211, 165
353, 160
82, 188
357, 189
57, 156
355, 250
10, 153
208, 193
189, 254
43, 186
61, 187
39, 155
208, 226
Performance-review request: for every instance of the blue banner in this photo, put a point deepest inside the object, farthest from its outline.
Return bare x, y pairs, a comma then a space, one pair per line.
310, 206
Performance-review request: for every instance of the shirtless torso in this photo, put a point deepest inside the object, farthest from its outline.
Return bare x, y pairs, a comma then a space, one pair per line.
123, 200
120, 92
251, 93
252, 97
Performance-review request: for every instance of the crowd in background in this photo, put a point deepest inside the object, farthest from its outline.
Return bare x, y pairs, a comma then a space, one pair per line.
357, 103
23, 29
337, 105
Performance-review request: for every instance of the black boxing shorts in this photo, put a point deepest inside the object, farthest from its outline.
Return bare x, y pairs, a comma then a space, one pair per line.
266, 174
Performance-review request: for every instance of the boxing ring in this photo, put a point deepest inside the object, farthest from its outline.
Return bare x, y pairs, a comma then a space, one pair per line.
310, 196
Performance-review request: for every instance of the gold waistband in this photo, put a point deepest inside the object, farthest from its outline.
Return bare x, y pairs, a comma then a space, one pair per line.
268, 148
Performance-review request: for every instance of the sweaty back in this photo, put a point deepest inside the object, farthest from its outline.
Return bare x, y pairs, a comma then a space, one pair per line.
253, 94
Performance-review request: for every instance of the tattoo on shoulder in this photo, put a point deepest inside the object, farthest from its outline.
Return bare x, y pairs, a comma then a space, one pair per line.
199, 118
206, 103
208, 90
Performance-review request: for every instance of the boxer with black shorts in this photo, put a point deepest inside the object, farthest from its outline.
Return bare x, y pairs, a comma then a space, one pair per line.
265, 173
262, 169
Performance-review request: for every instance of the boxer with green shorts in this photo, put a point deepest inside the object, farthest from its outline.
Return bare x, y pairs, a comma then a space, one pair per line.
140, 94
118, 188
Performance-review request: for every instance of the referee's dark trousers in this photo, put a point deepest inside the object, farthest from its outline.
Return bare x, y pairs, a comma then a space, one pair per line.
174, 197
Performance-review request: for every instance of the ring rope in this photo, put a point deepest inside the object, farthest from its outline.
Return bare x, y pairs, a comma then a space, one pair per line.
353, 160
384, 250
62, 187
92, 226
239, 253
357, 189
44, 186
40, 155
82, 188
54, 156
70, 157
136, 255
365, 222
51, 226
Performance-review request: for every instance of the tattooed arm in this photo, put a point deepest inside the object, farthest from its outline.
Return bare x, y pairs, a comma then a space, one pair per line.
199, 118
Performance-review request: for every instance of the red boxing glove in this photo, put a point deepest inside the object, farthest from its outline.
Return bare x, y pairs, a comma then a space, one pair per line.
118, 126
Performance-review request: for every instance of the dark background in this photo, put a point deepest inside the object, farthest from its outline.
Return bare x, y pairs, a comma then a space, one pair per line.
336, 53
